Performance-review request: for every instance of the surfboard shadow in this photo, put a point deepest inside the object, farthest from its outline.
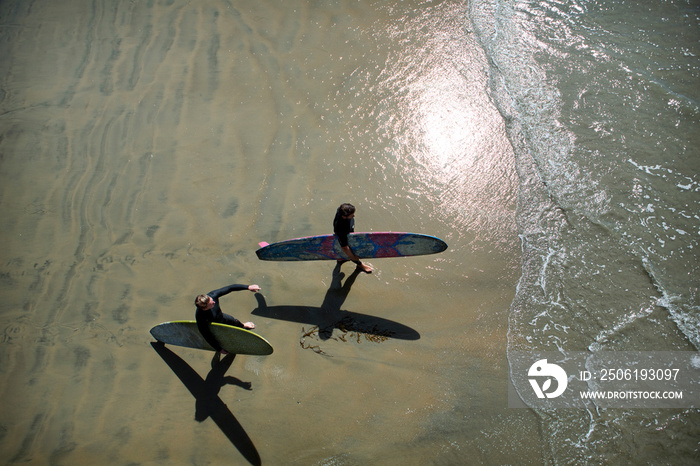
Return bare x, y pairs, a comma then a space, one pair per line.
330, 315
207, 401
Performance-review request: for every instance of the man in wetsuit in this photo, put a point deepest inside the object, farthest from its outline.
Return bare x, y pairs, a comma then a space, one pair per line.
209, 311
344, 223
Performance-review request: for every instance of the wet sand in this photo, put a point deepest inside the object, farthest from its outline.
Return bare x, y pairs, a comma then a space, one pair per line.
145, 149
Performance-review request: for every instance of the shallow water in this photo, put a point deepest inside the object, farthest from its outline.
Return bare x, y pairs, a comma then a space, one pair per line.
599, 108
147, 147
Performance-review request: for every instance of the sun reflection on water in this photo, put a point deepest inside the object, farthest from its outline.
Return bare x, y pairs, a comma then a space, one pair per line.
446, 140
447, 127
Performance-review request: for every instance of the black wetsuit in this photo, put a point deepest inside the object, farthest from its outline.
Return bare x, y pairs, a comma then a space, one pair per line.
342, 227
206, 317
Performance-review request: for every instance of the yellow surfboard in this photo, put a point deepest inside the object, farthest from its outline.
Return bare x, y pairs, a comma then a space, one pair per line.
235, 340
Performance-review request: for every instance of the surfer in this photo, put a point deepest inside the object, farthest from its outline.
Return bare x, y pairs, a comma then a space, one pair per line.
209, 311
344, 223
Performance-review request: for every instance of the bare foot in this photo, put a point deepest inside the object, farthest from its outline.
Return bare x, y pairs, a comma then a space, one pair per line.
365, 268
249, 325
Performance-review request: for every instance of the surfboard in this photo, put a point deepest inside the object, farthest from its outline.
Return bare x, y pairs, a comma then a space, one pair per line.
233, 339
364, 245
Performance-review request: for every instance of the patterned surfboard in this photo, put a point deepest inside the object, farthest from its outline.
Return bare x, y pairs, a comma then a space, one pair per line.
364, 245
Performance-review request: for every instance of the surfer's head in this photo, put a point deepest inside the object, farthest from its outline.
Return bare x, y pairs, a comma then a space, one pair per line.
202, 301
346, 210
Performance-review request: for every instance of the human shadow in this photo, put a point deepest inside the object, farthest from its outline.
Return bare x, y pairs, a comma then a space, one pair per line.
330, 315
207, 405
207, 401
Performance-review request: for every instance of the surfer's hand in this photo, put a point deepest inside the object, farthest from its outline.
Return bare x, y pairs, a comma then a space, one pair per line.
249, 325
254, 288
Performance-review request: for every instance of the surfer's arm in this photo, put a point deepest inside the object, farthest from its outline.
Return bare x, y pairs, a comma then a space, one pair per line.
230, 320
342, 236
351, 255
216, 294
